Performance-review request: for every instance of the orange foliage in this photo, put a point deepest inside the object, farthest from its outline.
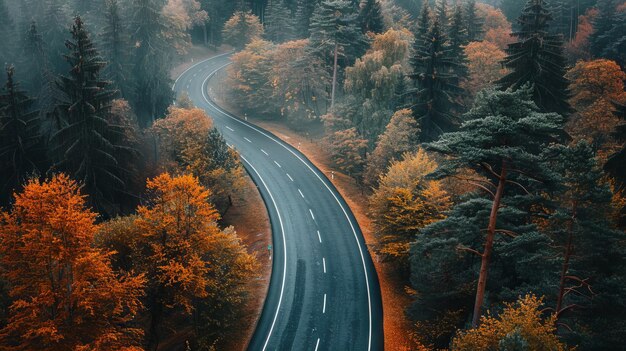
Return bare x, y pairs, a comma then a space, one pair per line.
497, 28
348, 151
65, 295
578, 49
484, 65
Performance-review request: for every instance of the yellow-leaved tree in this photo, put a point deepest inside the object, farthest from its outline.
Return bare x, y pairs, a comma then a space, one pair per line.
405, 202
519, 327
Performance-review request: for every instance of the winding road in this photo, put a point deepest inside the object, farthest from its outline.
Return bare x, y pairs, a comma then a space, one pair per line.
324, 292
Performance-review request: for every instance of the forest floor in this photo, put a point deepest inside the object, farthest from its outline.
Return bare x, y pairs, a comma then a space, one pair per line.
397, 328
250, 219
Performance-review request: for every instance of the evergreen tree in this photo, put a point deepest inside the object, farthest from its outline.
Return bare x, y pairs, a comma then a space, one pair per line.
441, 14
436, 91
53, 30
473, 22
615, 39
86, 144
537, 58
7, 35
591, 255
279, 26
335, 36
19, 137
502, 141
152, 92
603, 22
371, 17
616, 164
115, 47
457, 39
423, 26
40, 77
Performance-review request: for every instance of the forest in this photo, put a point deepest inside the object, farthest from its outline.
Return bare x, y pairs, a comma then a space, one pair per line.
488, 137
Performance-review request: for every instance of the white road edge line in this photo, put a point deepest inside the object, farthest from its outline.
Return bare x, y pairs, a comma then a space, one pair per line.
311, 212
265, 152
301, 194
229, 128
324, 264
196, 65
319, 236
282, 230
288, 176
369, 297
324, 307
248, 140
278, 164
317, 344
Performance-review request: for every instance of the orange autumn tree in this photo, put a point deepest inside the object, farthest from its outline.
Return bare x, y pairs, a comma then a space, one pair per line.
65, 295
183, 249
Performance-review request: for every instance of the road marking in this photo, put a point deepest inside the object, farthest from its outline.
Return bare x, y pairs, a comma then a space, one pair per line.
324, 263
229, 145
229, 128
289, 177
311, 212
278, 164
343, 209
195, 75
248, 140
196, 65
301, 194
324, 307
317, 344
187, 86
282, 231
319, 237
263, 151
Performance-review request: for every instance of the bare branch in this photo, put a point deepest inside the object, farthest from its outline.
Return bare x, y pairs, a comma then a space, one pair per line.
520, 185
468, 249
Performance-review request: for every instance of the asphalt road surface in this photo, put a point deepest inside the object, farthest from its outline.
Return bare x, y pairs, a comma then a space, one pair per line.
324, 292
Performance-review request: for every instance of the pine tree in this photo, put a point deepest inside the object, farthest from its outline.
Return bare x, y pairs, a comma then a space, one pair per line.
616, 164
441, 14
279, 26
86, 144
19, 137
151, 59
457, 39
502, 140
474, 24
615, 41
53, 30
334, 33
603, 22
303, 13
436, 90
537, 58
41, 80
7, 49
115, 47
371, 17
422, 28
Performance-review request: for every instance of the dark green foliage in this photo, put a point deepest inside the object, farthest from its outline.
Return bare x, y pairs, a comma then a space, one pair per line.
219, 12
503, 131
371, 17
53, 28
591, 253
19, 138
616, 164
85, 144
602, 24
473, 23
537, 58
612, 43
115, 47
441, 14
512, 8
303, 13
436, 93
335, 22
413, 7
40, 78
278, 22
457, 39
151, 56
423, 26
6, 34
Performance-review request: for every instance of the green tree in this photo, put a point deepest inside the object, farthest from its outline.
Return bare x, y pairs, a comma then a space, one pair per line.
537, 58
602, 24
473, 22
7, 33
279, 25
19, 137
371, 17
614, 40
457, 39
41, 79
304, 12
115, 47
334, 33
503, 146
151, 58
437, 92
86, 143
441, 14
616, 164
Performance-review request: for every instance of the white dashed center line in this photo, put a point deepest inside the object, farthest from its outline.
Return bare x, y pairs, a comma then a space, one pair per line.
229, 128
301, 194
288, 176
311, 212
263, 151
248, 140
319, 237
317, 344
324, 264
278, 164
324, 307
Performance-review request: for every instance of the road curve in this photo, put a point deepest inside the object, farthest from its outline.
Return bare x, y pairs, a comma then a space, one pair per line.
324, 292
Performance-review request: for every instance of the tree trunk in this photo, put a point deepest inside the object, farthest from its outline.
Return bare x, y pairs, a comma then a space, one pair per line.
486, 256
566, 259
332, 95
206, 35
